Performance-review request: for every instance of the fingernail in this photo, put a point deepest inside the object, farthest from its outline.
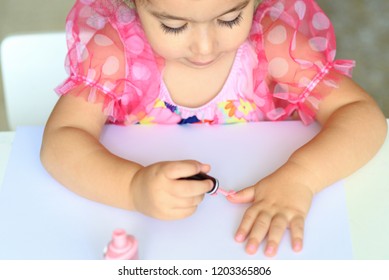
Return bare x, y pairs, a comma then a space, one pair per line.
239, 237
251, 249
297, 246
226, 193
231, 193
269, 250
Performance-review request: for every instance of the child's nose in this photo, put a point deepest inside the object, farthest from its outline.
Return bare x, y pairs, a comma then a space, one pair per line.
204, 41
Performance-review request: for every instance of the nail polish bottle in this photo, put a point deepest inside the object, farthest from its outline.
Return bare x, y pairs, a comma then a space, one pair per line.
121, 247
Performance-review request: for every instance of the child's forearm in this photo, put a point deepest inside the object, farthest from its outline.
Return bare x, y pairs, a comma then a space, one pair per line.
77, 160
350, 137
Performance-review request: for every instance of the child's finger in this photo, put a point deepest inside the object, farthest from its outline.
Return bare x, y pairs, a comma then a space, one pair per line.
258, 232
276, 231
178, 213
247, 223
181, 169
243, 196
190, 202
297, 233
191, 188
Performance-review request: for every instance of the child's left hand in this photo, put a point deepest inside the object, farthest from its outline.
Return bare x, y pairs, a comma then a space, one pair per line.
277, 204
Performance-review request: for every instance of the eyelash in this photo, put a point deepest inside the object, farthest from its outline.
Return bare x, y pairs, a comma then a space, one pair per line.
175, 31
231, 23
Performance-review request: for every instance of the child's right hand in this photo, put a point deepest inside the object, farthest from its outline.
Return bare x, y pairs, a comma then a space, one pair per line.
157, 190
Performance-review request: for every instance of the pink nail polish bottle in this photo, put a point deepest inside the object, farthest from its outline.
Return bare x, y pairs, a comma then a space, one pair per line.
122, 247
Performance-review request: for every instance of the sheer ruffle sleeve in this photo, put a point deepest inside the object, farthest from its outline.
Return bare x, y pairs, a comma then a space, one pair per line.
100, 67
296, 42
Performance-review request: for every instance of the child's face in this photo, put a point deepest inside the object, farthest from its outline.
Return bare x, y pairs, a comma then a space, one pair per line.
195, 32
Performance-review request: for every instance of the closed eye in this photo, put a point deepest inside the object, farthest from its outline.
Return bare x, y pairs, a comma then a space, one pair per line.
173, 30
177, 30
231, 23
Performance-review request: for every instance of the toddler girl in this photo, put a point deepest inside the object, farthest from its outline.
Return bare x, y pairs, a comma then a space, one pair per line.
212, 62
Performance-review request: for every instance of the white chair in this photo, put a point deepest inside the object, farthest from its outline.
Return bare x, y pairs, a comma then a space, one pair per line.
32, 66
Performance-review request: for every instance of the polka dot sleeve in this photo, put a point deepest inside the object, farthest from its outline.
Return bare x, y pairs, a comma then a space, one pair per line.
96, 59
300, 46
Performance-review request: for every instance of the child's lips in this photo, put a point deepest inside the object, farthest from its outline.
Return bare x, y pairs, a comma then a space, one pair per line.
201, 63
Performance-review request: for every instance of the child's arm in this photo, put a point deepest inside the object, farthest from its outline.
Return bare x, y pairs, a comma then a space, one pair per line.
72, 153
353, 130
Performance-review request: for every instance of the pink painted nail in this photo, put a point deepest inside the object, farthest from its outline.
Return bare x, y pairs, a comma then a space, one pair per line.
239, 237
226, 193
297, 246
269, 250
251, 249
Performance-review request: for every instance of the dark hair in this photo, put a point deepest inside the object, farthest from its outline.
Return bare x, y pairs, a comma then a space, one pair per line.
131, 3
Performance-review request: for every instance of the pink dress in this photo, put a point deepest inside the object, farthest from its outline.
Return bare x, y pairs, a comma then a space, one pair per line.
282, 71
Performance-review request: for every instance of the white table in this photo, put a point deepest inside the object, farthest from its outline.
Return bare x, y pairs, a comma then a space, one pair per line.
367, 193
6, 138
